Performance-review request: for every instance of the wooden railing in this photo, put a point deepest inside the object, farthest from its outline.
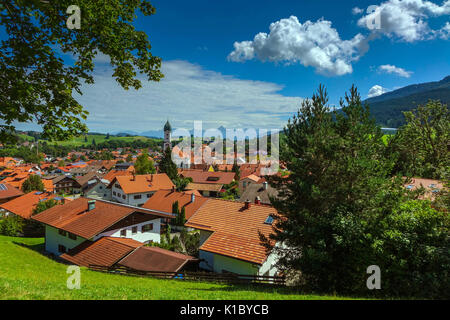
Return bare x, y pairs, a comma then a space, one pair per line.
195, 276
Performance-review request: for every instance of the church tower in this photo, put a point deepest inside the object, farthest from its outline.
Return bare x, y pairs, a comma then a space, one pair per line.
167, 131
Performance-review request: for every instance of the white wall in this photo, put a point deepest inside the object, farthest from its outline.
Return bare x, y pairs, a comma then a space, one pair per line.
153, 235
99, 191
129, 198
53, 239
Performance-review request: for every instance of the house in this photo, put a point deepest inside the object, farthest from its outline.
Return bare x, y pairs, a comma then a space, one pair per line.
247, 180
94, 186
66, 184
83, 170
163, 200
137, 189
127, 166
258, 193
24, 205
8, 192
207, 183
125, 252
69, 225
229, 237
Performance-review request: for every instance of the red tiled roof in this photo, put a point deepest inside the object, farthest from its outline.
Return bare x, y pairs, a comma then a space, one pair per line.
206, 176
7, 191
104, 252
235, 229
75, 218
155, 259
162, 200
24, 205
143, 183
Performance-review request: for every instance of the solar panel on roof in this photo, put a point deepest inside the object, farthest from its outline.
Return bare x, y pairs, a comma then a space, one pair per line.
2, 187
38, 193
269, 220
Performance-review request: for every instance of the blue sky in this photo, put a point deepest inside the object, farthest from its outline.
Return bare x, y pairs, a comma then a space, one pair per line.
260, 82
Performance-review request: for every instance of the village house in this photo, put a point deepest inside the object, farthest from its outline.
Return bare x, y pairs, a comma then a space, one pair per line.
94, 186
87, 220
8, 192
24, 205
258, 193
135, 190
229, 237
66, 184
207, 183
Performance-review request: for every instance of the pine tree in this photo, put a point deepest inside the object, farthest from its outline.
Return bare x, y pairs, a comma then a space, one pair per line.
167, 165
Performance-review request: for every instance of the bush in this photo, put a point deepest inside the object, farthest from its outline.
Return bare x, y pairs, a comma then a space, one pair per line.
12, 225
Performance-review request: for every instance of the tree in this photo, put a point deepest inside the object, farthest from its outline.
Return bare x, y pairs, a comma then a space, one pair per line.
338, 188
129, 158
33, 183
167, 166
61, 163
144, 165
236, 170
107, 136
422, 143
37, 85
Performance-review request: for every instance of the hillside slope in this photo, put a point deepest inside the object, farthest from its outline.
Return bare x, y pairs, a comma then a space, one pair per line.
387, 108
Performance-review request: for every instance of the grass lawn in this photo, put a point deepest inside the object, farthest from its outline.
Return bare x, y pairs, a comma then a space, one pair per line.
27, 274
99, 138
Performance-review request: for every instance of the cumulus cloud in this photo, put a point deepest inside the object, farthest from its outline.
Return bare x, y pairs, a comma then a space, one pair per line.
188, 92
314, 44
376, 91
387, 68
407, 19
444, 33
357, 10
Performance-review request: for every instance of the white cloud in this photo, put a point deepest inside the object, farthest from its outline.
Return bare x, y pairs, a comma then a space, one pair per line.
186, 93
314, 44
444, 33
407, 19
387, 68
376, 90
357, 10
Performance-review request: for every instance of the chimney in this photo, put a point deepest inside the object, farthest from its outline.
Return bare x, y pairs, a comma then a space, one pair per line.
173, 188
257, 200
91, 205
265, 184
133, 177
192, 197
247, 204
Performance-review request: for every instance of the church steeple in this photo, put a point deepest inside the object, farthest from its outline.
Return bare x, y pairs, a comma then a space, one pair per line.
167, 131
167, 126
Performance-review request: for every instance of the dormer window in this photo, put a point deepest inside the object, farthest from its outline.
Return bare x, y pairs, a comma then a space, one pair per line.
269, 220
212, 179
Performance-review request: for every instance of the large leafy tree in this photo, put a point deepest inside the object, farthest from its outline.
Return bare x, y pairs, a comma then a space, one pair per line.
167, 166
33, 183
38, 85
338, 187
422, 143
144, 164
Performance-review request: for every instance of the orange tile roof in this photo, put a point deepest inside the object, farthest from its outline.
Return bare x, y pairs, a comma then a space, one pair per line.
104, 252
114, 173
24, 205
162, 200
205, 176
75, 218
204, 187
7, 191
143, 183
235, 229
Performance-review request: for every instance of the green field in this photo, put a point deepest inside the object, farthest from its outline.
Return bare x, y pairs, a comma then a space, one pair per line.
99, 138
27, 274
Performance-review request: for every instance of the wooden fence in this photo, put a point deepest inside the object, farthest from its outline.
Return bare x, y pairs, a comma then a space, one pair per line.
195, 276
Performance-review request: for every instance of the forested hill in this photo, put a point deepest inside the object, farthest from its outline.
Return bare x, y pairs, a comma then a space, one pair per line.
387, 108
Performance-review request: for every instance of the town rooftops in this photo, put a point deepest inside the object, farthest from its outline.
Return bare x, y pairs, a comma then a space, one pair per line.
75, 216
7, 191
162, 200
143, 183
263, 191
235, 228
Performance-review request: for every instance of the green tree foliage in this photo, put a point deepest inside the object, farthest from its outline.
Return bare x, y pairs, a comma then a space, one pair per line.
44, 205
39, 86
180, 220
167, 166
169, 242
129, 158
237, 171
181, 182
11, 225
33, 183
422, 143
337, 199
190, 241
144, 165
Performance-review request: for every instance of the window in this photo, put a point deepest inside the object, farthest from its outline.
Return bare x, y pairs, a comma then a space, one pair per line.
124, 196
62, 232
212, 179
149, 195
269, 220
123, 233
114, 193
61, 248
138, 196
134, 230
147, 227
72, 236
117, 186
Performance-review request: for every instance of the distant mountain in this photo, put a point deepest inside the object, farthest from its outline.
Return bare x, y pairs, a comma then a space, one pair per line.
388, 107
